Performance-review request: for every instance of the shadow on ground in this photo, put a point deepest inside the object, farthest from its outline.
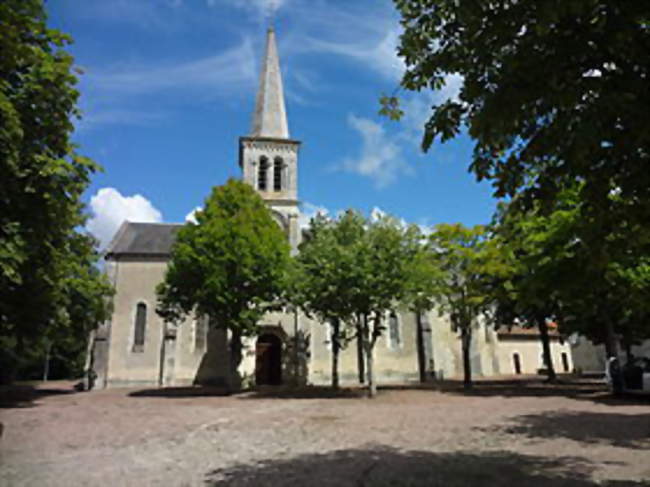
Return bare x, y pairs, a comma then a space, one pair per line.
379, 467
270, 392
305, 392
535, 386
622, 430
580, 389
27, 396
178, 392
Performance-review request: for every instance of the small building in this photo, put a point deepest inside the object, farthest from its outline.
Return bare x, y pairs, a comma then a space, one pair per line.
521, 352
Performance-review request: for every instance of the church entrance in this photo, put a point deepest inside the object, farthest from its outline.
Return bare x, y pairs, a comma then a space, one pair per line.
268, 360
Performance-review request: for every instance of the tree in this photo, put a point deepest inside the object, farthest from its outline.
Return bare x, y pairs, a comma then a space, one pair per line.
552, 92
43, 178
320, 281
420, 294
590, 277
470, 265
538, 249
230, 266
384, 255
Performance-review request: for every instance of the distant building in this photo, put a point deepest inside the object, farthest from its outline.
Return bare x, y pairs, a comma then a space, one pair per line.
137, 348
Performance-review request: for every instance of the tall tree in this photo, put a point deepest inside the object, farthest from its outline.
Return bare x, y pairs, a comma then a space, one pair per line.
550, 92
470, 264
231, 265
422, 277
43, 176
320, 281
539, 249
380, 282
538, 130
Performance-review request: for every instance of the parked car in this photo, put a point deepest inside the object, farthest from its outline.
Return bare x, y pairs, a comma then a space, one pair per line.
632, 377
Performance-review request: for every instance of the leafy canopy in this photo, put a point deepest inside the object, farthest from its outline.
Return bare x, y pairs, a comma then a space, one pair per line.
49, 285
552, 91
470, 264
231, 265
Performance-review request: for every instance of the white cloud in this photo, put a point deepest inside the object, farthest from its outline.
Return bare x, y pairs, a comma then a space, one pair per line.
381, 156
378, 53
191, 216
309, 211
110, 209
142, 14
265, 8
118, 116
226, 71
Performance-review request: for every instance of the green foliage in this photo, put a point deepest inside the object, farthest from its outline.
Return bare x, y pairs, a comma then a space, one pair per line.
231, 265
390, 107
540, 248
354, 271
552, 92
470, 265
593, 277
326, 260
48, 283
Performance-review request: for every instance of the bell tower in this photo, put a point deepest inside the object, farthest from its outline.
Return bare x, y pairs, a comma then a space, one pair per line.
268, 156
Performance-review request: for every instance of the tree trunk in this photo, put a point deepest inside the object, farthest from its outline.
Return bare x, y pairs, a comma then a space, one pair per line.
360, 355
368, 346
89, 364
234, 379
420, 346
336, 326
372, 387
546, 349
46, 365
611, 342
466, 340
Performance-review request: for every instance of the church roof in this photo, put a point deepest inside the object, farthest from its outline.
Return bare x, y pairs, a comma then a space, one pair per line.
150, 239
270, 116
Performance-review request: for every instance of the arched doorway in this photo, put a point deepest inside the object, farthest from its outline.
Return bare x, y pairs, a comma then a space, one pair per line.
268, 360
517, 363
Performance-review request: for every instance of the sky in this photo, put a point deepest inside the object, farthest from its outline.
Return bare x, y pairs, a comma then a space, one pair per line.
169, 87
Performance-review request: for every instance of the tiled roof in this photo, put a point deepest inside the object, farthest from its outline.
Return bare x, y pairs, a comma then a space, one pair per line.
526, 331
153, 239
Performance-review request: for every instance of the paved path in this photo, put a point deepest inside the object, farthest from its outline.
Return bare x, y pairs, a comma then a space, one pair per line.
510, 434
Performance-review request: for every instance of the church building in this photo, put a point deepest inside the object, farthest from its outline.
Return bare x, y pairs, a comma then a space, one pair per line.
137, 348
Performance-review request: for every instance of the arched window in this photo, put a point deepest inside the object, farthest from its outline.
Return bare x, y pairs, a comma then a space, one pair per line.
278, 166
565, 361
262, 175
393, 330
201, 332
517, 363
140, 327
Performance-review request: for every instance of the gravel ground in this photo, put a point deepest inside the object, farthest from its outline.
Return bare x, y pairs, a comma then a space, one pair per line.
508, 433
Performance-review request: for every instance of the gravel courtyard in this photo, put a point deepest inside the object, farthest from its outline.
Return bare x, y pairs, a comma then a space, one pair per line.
510, 433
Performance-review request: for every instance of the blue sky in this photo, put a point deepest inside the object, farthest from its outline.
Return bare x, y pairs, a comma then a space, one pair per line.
169, 86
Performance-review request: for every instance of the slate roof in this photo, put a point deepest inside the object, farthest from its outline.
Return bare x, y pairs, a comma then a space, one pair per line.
152, 239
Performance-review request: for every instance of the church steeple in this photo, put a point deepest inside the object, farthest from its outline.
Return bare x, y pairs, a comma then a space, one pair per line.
268, 157
270, 116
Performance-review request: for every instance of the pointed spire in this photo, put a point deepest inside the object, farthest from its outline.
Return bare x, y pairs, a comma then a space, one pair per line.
270, 117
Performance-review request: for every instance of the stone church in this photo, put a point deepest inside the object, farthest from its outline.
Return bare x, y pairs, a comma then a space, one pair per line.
137, 348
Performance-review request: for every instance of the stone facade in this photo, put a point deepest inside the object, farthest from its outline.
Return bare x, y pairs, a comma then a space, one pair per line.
137, 348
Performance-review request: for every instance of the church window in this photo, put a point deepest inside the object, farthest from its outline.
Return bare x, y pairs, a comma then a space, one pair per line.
328, 334
394, 332
263, 174
140, 326
201, 332
278, 166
